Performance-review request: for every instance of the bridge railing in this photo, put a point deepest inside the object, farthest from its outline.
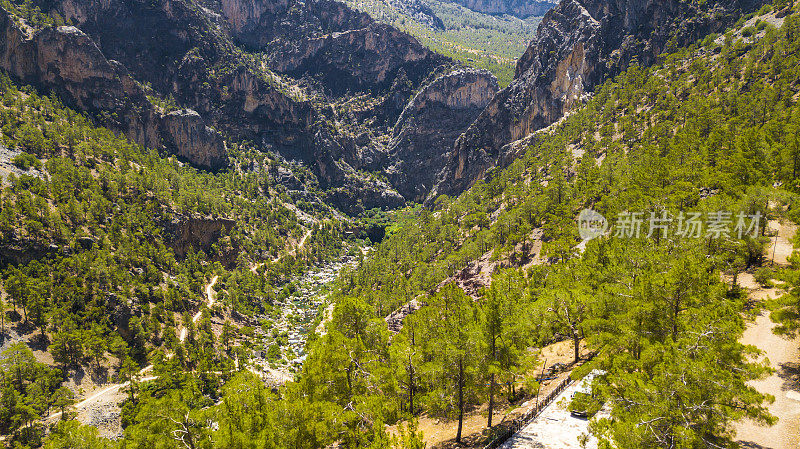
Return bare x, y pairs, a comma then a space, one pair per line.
521, 421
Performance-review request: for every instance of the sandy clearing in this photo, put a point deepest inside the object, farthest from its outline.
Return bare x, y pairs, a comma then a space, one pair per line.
782, 353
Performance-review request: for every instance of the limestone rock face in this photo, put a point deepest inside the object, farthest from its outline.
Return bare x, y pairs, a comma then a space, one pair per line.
382, 51
200, 233
430, 124
190, 53
579, 45
191, 139
244, 16
68, 62
344, 49
277, 73
419, 11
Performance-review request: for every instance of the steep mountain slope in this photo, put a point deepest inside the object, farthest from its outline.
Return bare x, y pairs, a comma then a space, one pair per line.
137, 259
68, 62
181, 51
434, 118
709, 128
183, 74
105, 245
578, 45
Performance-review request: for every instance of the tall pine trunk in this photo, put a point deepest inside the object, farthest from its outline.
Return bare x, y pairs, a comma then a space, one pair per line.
460, 399
491, 383
576, 341
491, 401
411, 389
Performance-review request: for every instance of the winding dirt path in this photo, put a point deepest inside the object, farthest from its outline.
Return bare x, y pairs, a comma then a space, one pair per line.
254, 267
210, 299
300, 245
783, 355
110, 390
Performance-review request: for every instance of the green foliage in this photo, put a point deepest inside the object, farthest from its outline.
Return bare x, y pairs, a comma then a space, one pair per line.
655, 309
26, 161
31, 13
26, 392
763, 276
585, 404
409, 437
720, 118
72, 435
479, 40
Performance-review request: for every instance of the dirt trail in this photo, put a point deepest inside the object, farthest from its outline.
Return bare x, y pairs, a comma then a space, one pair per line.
111, 390
210, 298
783, 356
293, 252
255, 266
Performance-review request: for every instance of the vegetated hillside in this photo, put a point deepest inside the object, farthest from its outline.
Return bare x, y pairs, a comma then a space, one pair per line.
517, 8
491, 42
709, 128
106, 248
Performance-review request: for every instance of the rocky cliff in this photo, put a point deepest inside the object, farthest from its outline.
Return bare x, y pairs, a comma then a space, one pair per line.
579, 44
263, 71
518, 8
382, 51
178, 50
199, 233
344, 50
312, 81
431, 122
419, 11
189, 137
68, 62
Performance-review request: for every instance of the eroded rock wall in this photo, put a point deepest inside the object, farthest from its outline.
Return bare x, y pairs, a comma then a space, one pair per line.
579, 45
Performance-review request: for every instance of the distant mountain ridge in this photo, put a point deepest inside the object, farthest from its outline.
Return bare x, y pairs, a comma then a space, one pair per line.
517, 8
326, 85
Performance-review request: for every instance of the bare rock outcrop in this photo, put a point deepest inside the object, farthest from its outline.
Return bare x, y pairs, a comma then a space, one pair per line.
394, 322
579, 45
189, 137
195, 55
430, 124
419, 11
343, 49
382, 50
199, 233
67, 61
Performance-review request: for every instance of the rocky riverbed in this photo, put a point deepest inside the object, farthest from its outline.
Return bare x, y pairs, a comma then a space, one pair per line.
281, 340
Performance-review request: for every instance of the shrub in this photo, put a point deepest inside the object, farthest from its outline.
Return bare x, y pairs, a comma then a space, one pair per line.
26, 160
763, 276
